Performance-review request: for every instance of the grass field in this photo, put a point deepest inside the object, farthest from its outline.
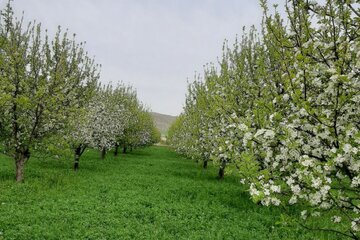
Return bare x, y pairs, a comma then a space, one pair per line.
151, 193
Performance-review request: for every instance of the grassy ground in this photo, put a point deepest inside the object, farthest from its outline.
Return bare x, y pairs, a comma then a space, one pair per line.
148, 194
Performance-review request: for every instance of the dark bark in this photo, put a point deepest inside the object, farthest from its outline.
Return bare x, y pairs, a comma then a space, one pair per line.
222, 171
103, 153
77, 154
205, 164
116, 152
77, 158
20, 159
124, 149
131, 149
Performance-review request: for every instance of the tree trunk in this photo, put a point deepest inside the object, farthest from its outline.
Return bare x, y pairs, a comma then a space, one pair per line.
124, 149
77, 158
103, 153
131, 149
205, 164
20, 159
20, 170
222, 171
116, 150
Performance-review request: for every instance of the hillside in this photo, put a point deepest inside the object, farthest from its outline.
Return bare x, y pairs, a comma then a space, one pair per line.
162, 121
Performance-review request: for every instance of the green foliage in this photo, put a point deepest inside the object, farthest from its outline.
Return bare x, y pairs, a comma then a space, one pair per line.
282, 107
43, 83
49, 90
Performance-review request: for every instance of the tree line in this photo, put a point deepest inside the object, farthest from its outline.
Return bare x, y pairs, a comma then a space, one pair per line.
50, 95
281, 109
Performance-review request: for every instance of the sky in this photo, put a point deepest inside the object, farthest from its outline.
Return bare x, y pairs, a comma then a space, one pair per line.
156, 46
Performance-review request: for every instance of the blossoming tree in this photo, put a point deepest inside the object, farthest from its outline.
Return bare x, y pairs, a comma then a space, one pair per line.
283, 111
43, 82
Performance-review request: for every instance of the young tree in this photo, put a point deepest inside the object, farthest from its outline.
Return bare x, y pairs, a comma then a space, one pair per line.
42, 83
83, 129
146, 133
126, 96
108, 119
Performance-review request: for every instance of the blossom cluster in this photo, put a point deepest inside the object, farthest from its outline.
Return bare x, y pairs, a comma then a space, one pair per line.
283, 110
113, 117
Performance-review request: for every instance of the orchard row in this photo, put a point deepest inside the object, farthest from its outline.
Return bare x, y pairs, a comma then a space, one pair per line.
50, 98
281, 110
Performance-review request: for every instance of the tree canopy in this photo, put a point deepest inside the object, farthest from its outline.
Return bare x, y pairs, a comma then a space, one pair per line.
281, 109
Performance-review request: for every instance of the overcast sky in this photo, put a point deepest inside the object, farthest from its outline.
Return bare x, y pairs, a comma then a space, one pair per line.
154, 45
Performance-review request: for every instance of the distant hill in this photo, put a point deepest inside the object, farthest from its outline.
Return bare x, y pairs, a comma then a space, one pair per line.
162, 121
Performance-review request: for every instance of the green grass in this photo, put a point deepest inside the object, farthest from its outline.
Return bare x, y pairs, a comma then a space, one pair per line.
151, 193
